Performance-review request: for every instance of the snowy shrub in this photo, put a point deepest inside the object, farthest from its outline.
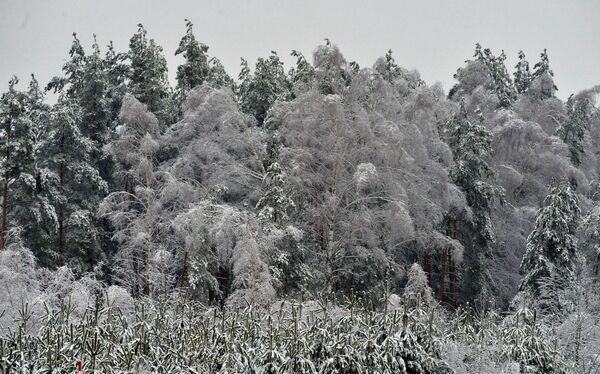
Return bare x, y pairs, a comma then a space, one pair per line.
417, 286
366, 178
118, 299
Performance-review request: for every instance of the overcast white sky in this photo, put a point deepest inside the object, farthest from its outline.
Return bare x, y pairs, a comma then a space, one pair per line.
434, 37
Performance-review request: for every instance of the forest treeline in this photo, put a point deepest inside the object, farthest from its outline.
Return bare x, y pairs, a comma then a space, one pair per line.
325, 179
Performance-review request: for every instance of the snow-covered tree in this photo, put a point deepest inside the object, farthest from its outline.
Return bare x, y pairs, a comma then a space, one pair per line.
490, 72
344, 208
194, 71
572, 129
542, 66
302, 75
19, 280
96, 122
543, 73
198, 67
504, 85
522, 74
38, 215
148, 80
17, 149
471, 144
217, 76
117, 71
73, 70
589, 240
141, 212
132, 212
275, 205
390, 69
75, 187
223, 254
259, 90
399, 77
332, 73
217, 145
417, 285
552, 253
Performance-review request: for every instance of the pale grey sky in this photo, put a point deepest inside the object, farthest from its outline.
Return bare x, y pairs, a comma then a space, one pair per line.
434, 37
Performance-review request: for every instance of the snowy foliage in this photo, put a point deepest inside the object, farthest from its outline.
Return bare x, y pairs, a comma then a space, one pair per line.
130, 208
215, 144
417, 286
552, 254
148, 80
259, 90
274, 205
223, 247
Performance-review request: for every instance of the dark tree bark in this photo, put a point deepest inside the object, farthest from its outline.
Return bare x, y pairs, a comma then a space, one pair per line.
427, 267
61, 219
443, 275
5, 191
452, 275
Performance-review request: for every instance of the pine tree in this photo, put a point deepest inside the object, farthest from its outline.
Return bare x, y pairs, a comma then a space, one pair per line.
12, 113
572, 129
81, 124
97, 122
16, 148
195, 70
392, 70
479, 55
148, 80
38, 215
471, 144
302, 75
495, 76
522, 74
217, 76
552, 245
543, 68
86, 82
257, 92
116, 73
77, 185
73, 70
275, 205
503, 85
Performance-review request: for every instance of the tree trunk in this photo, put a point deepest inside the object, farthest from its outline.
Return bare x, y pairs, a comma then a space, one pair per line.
452, 266
61, 219
5, 191
427, 268
183, 270
443, 274
149, 232
328, 247
452, 275
4, 209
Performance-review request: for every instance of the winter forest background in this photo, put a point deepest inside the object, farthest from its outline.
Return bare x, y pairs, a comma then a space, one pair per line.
320, 217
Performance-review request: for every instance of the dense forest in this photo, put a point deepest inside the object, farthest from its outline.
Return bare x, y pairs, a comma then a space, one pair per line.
362, 194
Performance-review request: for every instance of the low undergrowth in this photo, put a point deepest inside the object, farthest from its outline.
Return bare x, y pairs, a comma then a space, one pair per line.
309, 337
